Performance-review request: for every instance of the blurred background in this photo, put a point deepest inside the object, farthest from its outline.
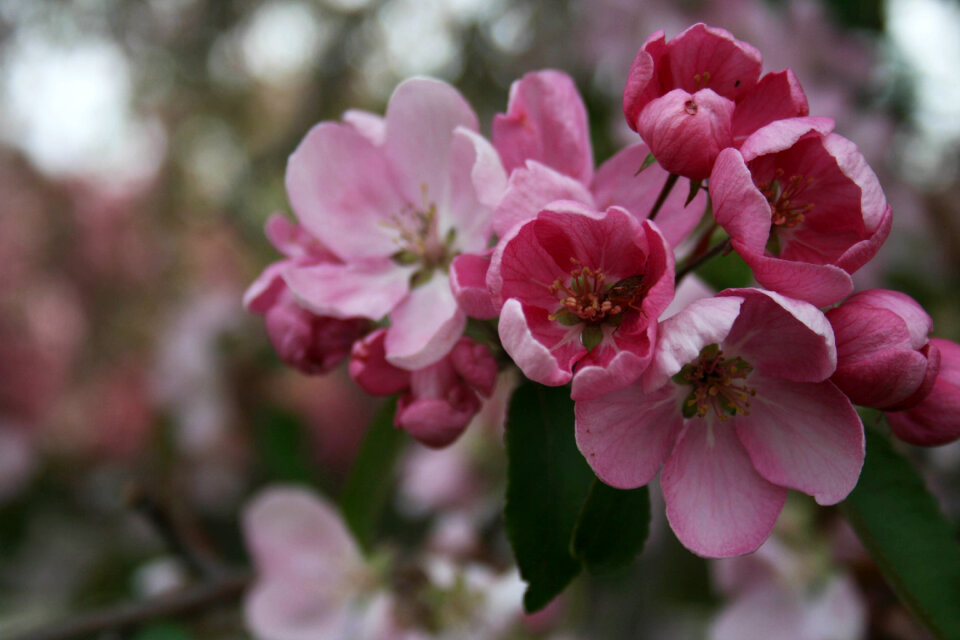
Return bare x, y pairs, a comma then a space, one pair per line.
142, 147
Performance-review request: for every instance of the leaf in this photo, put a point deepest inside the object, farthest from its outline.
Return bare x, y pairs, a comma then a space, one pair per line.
547, 483
726, 271
281, 442
901, 525
372, 478
612, 528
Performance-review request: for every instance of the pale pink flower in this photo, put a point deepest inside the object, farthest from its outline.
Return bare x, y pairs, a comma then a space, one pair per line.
311, 580
310, 343
936, 419
581, 290
395, 203
738, 407
437, 401
802, 208
700, 93
774, 593
885, 358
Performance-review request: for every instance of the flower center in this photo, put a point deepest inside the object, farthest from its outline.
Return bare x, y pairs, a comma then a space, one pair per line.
717, 385
585, 297
420, 241
782, 194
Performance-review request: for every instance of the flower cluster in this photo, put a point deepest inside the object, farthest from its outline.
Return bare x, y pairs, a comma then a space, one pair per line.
428, 255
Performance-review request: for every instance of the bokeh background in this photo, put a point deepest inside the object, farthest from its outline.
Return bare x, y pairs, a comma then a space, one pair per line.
142, 147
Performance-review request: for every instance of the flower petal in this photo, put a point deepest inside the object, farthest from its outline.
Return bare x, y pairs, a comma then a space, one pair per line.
468, 281
360, 290
777, 96
544, 350
626, 435
804, 436
717, 504
425, 326
531, 188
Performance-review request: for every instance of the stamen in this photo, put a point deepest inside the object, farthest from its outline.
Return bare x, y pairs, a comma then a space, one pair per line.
715, 387
784, 211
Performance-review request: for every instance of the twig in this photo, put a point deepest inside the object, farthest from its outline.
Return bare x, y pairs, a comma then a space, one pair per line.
714, 251
124, 616
664, 192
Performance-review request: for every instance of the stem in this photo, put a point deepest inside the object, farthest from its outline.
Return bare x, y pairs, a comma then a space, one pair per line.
226, 588
664, 192
712, 252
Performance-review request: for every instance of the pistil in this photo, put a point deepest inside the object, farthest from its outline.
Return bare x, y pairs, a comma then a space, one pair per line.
717, 386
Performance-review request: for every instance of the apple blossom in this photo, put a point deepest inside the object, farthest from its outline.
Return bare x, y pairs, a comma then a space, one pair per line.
581, 289
884, 357
738, 407
395, 203
802, 208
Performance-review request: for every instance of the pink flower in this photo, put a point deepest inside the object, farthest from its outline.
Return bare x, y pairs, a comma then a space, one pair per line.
699, 93
311, 579
802, 208
581, 289
311, 343
545, 144
439, 400
934, 421
395, 202
884, 357
738, 407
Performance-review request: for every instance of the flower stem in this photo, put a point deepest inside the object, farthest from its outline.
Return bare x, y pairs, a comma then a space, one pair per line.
694, 262
664, 192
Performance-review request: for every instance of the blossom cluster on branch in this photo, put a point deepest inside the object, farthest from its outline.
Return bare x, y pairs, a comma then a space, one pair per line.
432, 257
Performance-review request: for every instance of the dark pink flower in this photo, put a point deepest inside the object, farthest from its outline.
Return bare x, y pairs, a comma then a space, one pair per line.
936, 419
309, 342
738, 408
802, 208
545, 145
884, 358
395, 200
699, 93
437, 401
581, 289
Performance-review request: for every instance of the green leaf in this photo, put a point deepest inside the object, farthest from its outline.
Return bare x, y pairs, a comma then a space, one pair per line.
726, 271
613, 527
372, 478
282, 445
163, 631
547, 483
900, 524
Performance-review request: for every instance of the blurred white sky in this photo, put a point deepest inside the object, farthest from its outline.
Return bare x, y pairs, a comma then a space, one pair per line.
67, 102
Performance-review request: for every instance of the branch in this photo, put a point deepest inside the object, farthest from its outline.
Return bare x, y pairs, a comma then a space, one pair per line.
721, 247
224, 589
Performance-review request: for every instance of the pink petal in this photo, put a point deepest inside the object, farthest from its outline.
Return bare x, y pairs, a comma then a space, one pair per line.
777, 96
544, 350
642, 87
838, 610
804, 436
768, 611
293, 241
864, 251
732, 65
626, 435
531, 188
477, 183
342, 190
425, 326
545, 121
421, 118
468, 281
873, 204
371, 371
611, 365
936, 419
361, 290
290, 609
782, 337
738, 206
684, 335
717, 504
820, 284
371, 126
474, 363
292, 532
782, 134
616, 183
690, 289
264, 291
686, 131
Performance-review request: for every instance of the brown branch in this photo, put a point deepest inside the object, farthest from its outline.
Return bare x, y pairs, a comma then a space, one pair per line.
125, 616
